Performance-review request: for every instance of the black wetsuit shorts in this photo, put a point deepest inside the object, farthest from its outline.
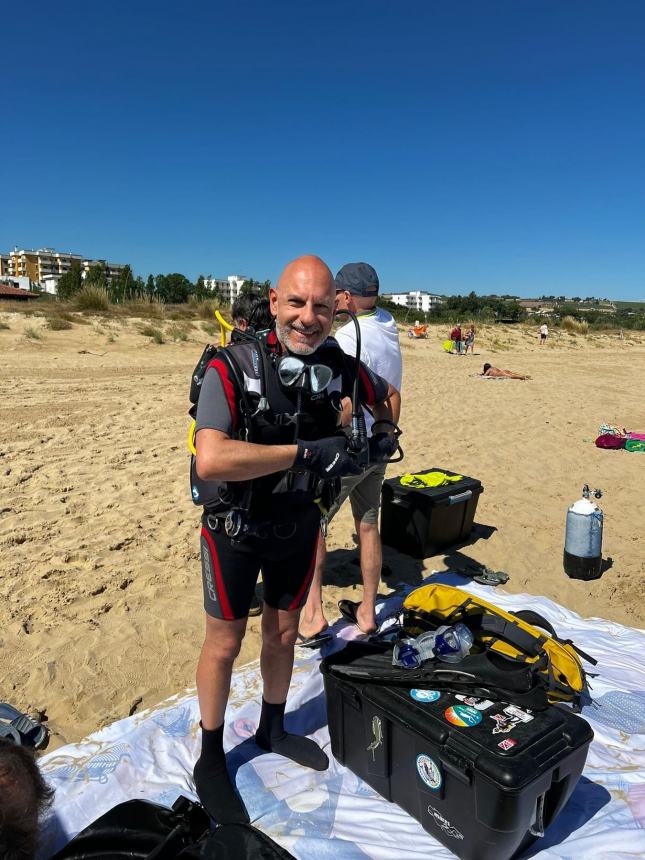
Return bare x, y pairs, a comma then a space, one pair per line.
286, 555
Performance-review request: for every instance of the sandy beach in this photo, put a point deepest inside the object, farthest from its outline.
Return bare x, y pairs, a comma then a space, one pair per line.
100, 591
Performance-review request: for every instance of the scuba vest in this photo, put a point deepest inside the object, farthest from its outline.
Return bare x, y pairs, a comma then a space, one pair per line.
268, 414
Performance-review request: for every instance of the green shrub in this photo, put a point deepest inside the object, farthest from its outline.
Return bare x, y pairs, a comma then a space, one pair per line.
211, 329
152, 332
177, 333
574, 326
58, 324
146, 307
32, 333
206, 309
92, 298
66, 315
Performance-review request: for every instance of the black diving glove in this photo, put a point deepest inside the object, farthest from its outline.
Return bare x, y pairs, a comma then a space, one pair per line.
327, 458
382, 446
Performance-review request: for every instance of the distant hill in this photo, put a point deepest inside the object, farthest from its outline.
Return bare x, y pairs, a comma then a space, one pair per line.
636, 306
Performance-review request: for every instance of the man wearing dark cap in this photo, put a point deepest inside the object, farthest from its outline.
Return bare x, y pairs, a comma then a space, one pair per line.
357, 287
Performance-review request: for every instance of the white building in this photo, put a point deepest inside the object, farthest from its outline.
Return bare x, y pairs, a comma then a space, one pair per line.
45, 266
416, 300
228, 288
20, 282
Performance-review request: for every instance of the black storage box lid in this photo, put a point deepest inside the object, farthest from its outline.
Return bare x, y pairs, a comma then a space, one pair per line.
435, 495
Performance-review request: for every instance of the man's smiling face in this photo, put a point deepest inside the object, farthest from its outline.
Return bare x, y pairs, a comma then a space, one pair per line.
303, 304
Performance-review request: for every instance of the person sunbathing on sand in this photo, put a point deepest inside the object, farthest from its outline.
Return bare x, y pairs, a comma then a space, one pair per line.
489, 370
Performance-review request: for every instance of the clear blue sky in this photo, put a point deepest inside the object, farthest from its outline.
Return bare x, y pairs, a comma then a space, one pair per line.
494, 146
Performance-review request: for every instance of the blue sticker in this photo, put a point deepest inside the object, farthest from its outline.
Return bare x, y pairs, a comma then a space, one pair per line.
425, 695
428, 770
195, 492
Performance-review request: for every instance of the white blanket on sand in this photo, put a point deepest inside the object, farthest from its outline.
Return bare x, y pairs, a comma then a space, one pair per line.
335, 814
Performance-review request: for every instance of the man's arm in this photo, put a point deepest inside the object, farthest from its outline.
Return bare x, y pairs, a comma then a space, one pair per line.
389, 408
224, 459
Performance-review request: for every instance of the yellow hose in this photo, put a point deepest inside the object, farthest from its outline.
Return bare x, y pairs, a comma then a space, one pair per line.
224, 326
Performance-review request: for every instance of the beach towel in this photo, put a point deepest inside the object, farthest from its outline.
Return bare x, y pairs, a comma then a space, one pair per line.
334, 815
640, 436
610, 429
608, 440
635, 445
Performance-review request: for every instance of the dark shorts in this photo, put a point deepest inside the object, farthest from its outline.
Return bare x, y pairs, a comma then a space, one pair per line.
286, 557
364, 492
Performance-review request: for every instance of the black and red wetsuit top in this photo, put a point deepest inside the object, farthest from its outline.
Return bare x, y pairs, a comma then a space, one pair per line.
223, 406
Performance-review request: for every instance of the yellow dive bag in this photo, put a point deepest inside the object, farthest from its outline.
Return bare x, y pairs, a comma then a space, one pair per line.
523, 638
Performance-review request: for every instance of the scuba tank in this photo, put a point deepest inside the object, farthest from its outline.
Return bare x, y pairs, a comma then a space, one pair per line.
583, 538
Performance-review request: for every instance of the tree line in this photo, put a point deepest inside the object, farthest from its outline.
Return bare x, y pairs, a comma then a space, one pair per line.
497, 308
173, 288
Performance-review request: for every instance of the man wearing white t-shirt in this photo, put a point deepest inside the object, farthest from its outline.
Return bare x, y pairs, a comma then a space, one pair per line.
357, 287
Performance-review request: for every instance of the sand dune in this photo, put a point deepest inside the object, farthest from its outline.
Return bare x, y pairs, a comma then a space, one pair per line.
100, 592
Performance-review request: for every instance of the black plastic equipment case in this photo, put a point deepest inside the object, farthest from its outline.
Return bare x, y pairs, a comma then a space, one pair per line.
419, 521
483, 779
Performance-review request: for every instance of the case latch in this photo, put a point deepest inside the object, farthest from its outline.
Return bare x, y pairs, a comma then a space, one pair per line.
456, 765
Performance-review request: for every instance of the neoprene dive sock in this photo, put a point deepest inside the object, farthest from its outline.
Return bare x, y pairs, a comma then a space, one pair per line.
272, 737
212, 782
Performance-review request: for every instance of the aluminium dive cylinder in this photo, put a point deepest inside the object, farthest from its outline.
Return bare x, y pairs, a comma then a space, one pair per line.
583, 539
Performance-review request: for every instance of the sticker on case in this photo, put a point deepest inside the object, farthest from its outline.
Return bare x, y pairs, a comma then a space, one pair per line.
523, 716
444, 824
425, 695
480, 704
377, 736
463, 715
504, 723
428, 770
507, 744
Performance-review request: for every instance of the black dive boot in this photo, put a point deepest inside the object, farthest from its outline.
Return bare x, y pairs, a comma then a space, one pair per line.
272, 737
212, 782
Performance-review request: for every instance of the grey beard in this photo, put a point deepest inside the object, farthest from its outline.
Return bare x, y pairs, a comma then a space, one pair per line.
284, 336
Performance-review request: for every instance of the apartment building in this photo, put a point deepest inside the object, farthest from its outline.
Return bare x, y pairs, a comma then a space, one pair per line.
416, 300
45, 266
229, 288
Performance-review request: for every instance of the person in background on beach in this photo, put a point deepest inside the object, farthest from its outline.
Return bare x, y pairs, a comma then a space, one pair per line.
253, 311
357, 287
544, 333
24, 796
470, 340
278, 518
495, 372
455, 337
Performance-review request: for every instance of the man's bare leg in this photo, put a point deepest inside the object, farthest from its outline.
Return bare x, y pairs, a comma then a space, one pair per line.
221, 646
312, 619
371, 558
279, 631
